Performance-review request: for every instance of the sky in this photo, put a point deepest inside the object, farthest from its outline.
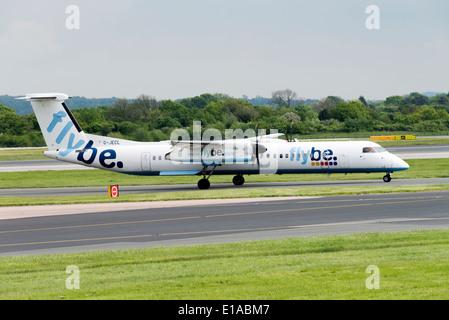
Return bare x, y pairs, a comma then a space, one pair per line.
173, 49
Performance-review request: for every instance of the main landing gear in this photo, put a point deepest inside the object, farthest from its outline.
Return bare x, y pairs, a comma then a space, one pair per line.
204, 183
238, 180
387, 178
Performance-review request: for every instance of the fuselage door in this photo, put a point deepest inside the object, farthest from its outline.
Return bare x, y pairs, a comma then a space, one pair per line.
146, 161
343, 160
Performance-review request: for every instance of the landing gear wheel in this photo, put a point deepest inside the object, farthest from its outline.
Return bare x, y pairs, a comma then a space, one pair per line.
238, 180
203, 184
387, 178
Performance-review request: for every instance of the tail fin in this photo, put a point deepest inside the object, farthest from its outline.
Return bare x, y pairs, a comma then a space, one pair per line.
59, 128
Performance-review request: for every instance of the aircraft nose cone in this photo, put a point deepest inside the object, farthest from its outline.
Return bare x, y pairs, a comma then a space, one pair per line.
399, 164
406, 165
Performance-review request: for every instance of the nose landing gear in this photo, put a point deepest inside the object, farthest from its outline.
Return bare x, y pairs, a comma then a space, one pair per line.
205, 183
387, 178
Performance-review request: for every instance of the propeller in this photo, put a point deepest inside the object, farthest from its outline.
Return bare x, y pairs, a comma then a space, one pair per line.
257, 148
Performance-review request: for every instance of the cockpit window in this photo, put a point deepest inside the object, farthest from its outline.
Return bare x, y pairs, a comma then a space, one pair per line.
373, 149
368, 150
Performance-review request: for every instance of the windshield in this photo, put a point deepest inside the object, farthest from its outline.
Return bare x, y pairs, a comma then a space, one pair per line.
380, 149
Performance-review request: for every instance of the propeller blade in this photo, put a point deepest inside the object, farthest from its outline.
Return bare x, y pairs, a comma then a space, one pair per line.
257, 148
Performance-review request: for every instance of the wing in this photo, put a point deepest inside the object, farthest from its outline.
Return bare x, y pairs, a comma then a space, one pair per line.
216, 153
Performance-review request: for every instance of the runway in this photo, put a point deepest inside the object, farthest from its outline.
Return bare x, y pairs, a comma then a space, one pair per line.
206, 221
420, 152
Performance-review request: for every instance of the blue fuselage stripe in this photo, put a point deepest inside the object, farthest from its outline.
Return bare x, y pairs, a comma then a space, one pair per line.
280, 171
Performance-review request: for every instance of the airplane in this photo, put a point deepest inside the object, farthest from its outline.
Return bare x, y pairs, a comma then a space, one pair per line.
261, 154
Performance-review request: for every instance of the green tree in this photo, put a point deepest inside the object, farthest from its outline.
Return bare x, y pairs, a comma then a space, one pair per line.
327, 103
176, 111
324, 114
416, 99
363, 100
305, 112
440, 99
12, 123
217, 109
349, 110
394, 101
199, 101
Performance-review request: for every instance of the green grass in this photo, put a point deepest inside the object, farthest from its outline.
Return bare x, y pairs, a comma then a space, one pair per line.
15, 154
220, 194
412, 265
416, 142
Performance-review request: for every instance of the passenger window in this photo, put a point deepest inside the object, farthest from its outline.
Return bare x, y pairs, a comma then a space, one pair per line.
286, 156
280, 156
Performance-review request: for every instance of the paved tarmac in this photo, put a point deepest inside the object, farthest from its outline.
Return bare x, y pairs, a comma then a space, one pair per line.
199, 222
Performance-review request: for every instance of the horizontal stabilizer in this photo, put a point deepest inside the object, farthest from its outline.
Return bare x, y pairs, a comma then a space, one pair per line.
45, 96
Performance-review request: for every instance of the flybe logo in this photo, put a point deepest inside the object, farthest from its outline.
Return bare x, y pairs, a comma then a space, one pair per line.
316, 156
58, 117
106, 156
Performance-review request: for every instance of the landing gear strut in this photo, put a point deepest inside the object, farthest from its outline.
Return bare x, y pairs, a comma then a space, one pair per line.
387, 178
238, 180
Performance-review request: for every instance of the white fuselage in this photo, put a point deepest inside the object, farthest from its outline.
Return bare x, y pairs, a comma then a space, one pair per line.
280, 157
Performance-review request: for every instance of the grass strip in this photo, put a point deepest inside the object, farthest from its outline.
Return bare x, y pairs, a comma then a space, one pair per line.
411, 264
220, 194
17, 154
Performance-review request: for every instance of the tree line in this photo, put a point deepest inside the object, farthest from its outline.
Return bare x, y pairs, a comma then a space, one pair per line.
148, 119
